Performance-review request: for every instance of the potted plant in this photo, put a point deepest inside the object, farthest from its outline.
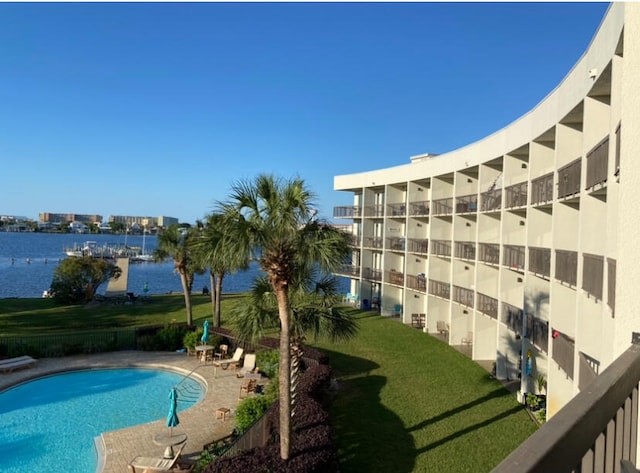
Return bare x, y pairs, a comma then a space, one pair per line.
532, 402
541, 382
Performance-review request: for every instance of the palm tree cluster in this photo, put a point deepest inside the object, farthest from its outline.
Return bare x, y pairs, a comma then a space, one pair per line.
274, 222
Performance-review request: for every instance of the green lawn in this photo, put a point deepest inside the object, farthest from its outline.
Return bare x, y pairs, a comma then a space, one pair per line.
407, 402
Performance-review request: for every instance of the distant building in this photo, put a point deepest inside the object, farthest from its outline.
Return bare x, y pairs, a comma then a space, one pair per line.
78, 227
138, 223
46, 217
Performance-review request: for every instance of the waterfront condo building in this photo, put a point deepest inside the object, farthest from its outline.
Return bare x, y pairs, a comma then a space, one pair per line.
522, 248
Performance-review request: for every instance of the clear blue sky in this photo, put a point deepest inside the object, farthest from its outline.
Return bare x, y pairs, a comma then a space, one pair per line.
156, 108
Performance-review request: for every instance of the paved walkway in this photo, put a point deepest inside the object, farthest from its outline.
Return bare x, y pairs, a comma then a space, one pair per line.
198, 422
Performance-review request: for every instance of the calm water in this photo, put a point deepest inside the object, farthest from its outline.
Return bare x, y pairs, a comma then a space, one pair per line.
27, 262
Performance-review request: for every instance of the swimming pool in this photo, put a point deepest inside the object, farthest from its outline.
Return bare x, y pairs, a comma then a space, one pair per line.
49, 424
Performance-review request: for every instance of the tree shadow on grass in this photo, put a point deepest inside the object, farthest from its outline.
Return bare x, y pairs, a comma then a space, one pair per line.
369, 436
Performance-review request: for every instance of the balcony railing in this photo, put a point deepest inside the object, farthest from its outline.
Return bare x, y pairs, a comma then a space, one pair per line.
442, 207
618, 143
353, 240
418, 245
441, 247
516, 195
491, 200
397, 210
512, 317
593, 432
463, 296
513, 257
569, 179
467, 203
542, 189
489, 253
538, 332
419, 208
372, 242
349, 270
611, 284
598, 164
440, 289
372, 274
540, 261
563, 351
396, 243
487, 305
353, 211
567, 267
374, 211
418, 283
394, 277
593, 275
465, 250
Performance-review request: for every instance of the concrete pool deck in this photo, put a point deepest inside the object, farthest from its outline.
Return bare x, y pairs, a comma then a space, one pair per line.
198, 422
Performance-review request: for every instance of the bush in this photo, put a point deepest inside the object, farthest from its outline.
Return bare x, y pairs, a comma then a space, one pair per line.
193, 338
268, 362
167, 339
249, 411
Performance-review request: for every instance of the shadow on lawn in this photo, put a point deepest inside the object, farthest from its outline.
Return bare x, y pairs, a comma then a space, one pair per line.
369, 436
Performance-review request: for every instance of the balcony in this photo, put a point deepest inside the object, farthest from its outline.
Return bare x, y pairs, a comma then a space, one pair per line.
442, 207
512, 317
598, 164
372, 242
441, 247
491, 200
515, 196
593, 275
595, 430
489, 253
394, 277
540, 261
374, 211
396, 243
542, 190
467, 203
487, 305
569, 179
372, 274
465, 250
349, 270
418, 245
440, 289
513, 257
397, 210
353, 240
419, 209
567, 267
353, 211
417, 283
463, 296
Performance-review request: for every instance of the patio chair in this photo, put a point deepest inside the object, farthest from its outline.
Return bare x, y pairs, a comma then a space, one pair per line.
222, 353
468, 340
235, 360
443, 328
249, 386
248, 366
152, 464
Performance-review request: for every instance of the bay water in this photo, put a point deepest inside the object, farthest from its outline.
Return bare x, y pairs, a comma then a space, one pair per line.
28, 260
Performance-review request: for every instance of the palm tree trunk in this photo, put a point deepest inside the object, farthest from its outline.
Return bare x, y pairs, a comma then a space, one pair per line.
218, 298
187, 297
285, 372
212, 285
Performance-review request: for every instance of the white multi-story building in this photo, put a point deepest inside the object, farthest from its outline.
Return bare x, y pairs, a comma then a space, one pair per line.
522, 245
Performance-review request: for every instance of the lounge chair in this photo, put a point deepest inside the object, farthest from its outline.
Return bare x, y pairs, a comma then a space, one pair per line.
224, 364
152, 464
10, 364
248, 366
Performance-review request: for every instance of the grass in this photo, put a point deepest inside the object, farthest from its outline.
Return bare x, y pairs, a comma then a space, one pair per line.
406, 401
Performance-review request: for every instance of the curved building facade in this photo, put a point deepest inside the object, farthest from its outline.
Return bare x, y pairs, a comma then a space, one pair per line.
521, 248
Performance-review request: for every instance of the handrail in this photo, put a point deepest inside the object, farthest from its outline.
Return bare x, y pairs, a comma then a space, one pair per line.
597, 427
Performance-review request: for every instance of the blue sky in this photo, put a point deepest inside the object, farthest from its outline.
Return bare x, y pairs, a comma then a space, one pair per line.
156, 108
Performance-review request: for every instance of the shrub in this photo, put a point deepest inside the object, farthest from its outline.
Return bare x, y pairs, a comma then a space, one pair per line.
268, 362
191, 339
167, 339
249, 411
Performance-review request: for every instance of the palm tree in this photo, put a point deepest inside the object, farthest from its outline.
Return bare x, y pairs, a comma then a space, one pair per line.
275, 221
212, 253
174, 243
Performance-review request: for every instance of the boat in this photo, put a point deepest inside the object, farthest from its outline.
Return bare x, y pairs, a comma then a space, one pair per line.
93, 250
143, 257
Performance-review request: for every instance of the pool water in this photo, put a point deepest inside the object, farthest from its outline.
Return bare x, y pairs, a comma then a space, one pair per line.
49, 424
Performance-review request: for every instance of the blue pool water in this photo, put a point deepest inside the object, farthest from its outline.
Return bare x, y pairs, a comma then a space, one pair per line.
49, 424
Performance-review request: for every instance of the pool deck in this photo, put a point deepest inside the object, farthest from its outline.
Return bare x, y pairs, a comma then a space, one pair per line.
198, 422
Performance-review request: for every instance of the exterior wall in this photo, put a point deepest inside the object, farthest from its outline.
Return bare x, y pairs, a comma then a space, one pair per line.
524, 241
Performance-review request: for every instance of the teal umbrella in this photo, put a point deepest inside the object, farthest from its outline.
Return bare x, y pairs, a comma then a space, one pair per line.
205, 334
172, 417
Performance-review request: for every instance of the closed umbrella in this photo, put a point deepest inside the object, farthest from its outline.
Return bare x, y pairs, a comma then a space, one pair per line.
205, 334
172, 417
